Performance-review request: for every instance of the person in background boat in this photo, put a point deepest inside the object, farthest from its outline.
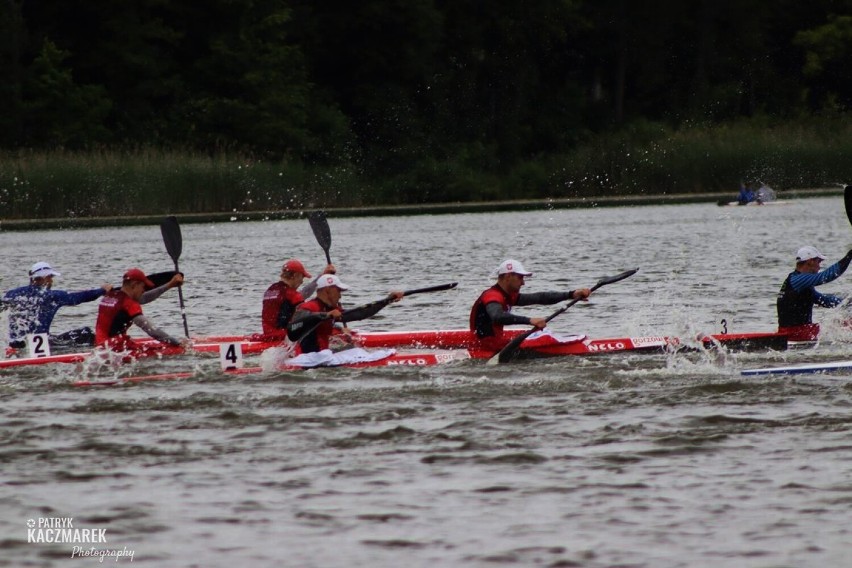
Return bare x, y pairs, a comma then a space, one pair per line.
122, 308
33, 307
746, 193
798, 296
280, 299
313, 323
492, 310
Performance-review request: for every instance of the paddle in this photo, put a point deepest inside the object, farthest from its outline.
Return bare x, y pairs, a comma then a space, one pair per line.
322, 232
511, 349
387, 300
383, 302
847, 200
158, 278
174, 246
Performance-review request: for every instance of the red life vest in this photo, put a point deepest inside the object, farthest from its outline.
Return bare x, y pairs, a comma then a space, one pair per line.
279, 305
317, 340
480, 323
115, 315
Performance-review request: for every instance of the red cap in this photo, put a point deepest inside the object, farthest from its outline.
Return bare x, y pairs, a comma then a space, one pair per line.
296, 266
139, 276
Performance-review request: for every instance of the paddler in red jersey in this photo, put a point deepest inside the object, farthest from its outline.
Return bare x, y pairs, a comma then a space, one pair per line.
280, 299
313, 323
492, 310
119, 309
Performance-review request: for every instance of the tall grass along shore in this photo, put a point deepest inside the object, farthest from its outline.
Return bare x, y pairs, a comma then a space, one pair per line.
646, 159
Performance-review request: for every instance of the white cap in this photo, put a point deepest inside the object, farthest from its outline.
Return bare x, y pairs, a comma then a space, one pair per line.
512, 267
807, 253
42, 270
326, 280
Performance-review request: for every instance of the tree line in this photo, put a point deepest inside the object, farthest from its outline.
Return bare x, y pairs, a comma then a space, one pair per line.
402, 87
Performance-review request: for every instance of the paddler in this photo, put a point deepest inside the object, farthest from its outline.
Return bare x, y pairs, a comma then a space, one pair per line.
492, 310
798, 296
313, 323
33, 307
280, 299
122, 308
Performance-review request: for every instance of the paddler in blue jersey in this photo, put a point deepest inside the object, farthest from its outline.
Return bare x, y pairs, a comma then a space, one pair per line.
33, 307
798, 295
492, 310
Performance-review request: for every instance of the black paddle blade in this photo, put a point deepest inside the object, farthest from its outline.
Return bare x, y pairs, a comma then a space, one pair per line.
322, 232
616, 278
847, 200
160, 278
172, 237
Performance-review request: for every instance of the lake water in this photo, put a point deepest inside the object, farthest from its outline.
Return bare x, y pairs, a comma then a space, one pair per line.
642, 461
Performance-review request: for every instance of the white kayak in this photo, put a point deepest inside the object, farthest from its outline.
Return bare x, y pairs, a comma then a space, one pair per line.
724, 203
803, 369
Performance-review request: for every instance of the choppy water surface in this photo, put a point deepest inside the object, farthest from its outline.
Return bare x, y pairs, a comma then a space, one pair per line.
645, 461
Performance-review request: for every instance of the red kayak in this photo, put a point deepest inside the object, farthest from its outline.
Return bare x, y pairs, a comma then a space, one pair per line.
452, 339
464, 339
150, 348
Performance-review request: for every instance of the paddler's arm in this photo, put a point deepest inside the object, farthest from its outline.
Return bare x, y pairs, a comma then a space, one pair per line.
546, 298
148, 327
498, 315
371, 309
305, 319
827, 300
802, 280
76, 298
154, 293
308, 289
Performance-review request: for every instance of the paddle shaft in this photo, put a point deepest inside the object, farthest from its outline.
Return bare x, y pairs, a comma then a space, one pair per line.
389, 299
174, 246
383, 301
182, 305
847, 201
510, 350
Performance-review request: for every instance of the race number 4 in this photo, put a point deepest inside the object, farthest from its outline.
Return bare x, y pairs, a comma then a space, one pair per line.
231, 356
38, 345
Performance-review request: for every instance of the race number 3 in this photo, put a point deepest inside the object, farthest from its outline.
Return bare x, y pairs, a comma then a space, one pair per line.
231, 356
38, 345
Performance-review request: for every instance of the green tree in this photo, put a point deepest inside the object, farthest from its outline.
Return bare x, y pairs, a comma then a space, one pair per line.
828, 50
11, 39
56, 110
249, 89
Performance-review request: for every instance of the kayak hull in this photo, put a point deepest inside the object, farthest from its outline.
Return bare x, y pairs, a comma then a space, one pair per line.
452, 339
425, 359
464, 339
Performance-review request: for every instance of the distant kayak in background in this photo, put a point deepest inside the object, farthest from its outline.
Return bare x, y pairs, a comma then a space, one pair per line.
764, 195
726, 203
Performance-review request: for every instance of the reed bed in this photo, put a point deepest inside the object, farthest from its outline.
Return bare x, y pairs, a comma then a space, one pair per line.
646, 158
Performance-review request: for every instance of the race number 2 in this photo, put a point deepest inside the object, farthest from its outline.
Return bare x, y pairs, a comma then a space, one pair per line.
231, 356
38, 345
